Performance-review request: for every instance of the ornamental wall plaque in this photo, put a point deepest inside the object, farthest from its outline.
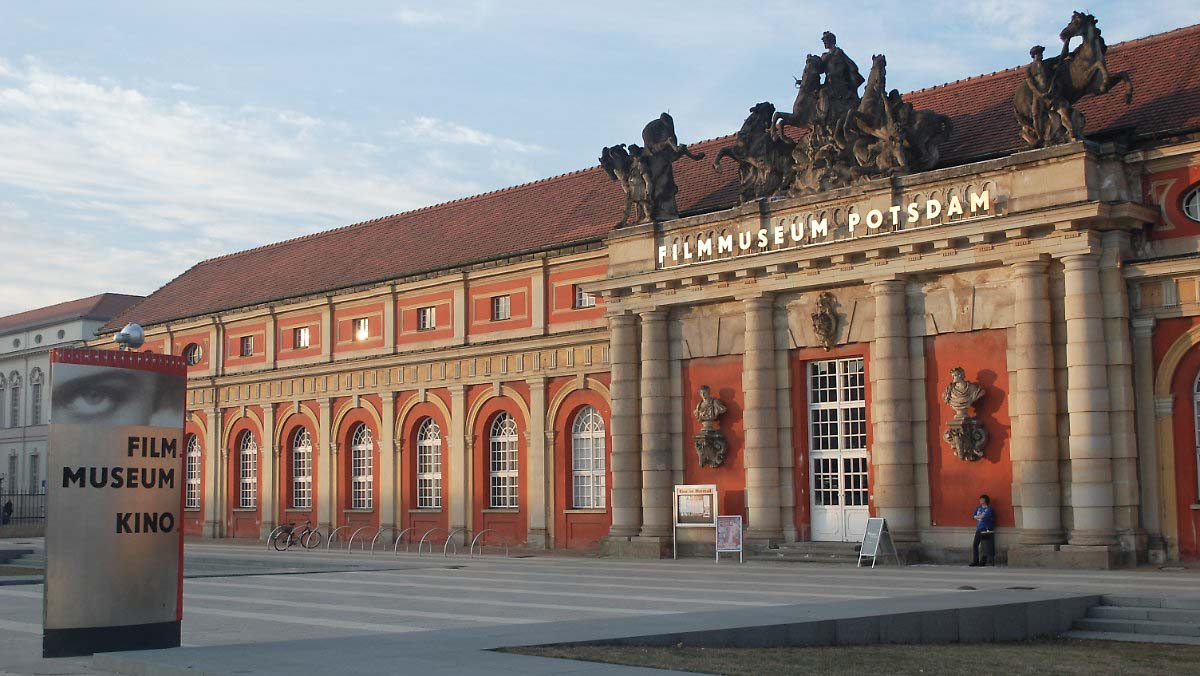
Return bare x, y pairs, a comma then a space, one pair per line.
964, 432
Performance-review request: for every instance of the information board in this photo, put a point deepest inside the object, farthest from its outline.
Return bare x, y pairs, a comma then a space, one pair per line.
114, 536
877, 540
729, 535
696, 506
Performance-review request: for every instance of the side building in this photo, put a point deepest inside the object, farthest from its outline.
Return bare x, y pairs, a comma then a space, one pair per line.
1022, 323
26, 339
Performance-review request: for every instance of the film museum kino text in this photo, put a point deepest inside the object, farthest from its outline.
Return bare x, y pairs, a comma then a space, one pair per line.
896, 302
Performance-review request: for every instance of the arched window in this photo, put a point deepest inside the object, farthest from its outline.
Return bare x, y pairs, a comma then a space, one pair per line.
302, 469
504, 465
35, 397
362, 473
587, 460
429, 465
191, 499
248, 471
192, 354
14, 398
1191, 203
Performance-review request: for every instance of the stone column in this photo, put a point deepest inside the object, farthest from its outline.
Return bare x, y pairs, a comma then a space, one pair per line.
536, 464
1088, 404
1115, 295
269, 471
1033, 407
656, 426
458, 479
212, 476
323, 466
626, 427
783, 412
891, 411
388, 485
1143, 385
760, 421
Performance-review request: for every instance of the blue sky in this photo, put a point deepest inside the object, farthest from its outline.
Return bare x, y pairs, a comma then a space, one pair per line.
137, 138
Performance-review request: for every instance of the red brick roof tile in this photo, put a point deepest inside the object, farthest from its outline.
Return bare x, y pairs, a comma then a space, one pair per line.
101, 307
583, 206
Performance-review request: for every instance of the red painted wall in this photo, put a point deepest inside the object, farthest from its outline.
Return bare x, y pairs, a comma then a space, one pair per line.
1183, 428
521, 316
421, 520
291, 427
1165, 189
408, 308
285, 343
346, 516
578, 529
955, 485
343, 321
233, 341
723, 375
561, 295
242, 523
510, 524
201, 338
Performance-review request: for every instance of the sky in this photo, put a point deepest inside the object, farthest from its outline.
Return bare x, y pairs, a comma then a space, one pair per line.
139, 138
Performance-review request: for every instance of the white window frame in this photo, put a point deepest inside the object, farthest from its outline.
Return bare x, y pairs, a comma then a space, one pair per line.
848, 412
247, 471
1190, 204
193, 354
504, 463
362, 329
14, 410
302, 469
588, 470
35, 403
429, 465
583, 299
192, 470
301, 338
362, 463
426, 318
35, 468
501, 308
246, 346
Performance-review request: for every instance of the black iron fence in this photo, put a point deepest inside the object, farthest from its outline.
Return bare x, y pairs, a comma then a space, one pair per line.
22, 508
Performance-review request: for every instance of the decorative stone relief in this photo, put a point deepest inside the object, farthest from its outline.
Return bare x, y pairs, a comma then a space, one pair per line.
825, 320
710, 443
964, 432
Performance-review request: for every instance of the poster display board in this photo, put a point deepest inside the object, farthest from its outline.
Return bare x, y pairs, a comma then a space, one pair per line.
877, 540
114, 533
695, 506
729, 535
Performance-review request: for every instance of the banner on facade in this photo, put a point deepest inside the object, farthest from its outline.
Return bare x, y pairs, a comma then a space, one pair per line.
114, 536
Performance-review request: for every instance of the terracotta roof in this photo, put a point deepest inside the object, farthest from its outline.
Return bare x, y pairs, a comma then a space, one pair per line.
583, 206
101, 307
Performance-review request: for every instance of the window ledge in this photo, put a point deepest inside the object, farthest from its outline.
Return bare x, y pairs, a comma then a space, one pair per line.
1195, 507
192, 510
586, 510
425, 510
369, 510
502, 510
298, 510
245, 509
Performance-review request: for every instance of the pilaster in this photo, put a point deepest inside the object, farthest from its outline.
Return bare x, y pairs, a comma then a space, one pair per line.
458, 480
324, 465
656, 431
1143, 385
536, 464
268, 456
212, 475
389, 481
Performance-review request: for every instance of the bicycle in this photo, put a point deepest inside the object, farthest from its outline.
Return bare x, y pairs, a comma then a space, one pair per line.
308, 537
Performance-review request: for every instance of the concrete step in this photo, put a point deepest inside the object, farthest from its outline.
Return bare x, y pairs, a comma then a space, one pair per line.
1127, 601
799, 557
809, 552
1149, 627
1132, 638
1175, 615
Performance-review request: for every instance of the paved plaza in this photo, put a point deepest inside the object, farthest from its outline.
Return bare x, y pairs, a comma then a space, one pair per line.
245, 594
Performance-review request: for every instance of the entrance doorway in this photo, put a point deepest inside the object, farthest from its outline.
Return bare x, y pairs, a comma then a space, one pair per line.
837, 442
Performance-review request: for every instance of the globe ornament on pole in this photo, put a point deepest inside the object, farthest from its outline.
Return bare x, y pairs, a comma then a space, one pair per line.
130, 338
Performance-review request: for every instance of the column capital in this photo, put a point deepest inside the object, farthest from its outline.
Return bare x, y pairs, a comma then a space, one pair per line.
457, 389
658, 314
536, 383
1029, 268
1081, 261
1143, 327
621, 317
397, 445
759, 300
388, 397
894, 285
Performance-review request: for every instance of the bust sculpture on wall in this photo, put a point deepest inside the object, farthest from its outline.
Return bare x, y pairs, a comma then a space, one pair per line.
964, 433
710, 443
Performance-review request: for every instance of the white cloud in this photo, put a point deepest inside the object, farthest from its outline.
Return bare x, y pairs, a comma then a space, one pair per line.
181, 87
435, 131
417, 17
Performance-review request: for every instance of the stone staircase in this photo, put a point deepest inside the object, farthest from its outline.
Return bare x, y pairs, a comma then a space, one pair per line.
808, 552
1144, 619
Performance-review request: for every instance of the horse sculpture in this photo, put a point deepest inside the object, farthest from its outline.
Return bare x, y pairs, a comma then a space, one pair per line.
807, 108
764, 162
626, 168
1045, 99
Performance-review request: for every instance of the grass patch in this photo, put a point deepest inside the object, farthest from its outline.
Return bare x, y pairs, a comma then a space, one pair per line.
8, 571
1055, 656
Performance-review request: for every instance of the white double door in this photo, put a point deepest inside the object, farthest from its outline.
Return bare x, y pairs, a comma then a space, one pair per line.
837, 433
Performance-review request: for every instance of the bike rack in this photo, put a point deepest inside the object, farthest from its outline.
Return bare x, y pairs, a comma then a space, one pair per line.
304, 540
479, 535
421, 544
271, 537
449, 538
378, 533
350, 544
396, 549
333, 536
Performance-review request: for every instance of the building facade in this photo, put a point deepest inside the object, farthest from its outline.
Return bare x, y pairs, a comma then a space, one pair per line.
25, 342
1012, 321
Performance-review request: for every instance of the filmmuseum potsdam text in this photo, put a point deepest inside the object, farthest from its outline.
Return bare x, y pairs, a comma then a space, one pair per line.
896, 302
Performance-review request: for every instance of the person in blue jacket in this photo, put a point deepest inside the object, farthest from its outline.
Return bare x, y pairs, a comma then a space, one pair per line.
985, 528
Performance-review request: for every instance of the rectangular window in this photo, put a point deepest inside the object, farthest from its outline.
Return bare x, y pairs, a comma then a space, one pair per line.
362, 329
35, 404
247, 346
583, 299
14, 411
34, 487
501, 308
426, 319
837, 431
12, 474
300, 337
